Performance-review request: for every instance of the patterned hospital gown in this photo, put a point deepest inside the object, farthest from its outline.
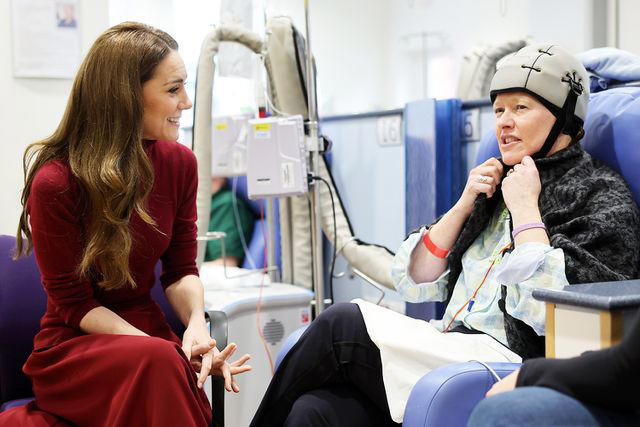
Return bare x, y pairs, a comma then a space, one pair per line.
528, 266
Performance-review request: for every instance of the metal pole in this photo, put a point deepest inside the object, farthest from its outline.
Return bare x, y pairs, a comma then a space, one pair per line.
271, 221
316, 234
311, 83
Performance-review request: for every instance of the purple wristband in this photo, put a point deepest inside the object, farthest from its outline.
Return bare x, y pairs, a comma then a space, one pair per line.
519, 229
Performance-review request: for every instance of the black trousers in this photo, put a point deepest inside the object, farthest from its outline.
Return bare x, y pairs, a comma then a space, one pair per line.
331, 377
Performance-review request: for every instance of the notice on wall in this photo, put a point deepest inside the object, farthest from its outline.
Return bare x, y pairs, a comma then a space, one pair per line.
46, 38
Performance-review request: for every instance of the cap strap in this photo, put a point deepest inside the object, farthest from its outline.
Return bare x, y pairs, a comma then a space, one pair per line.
563, 119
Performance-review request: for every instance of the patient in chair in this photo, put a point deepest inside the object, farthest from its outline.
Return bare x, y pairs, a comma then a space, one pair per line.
544, 215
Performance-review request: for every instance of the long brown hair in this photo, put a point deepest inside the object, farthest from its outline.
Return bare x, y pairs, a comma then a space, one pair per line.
100, 135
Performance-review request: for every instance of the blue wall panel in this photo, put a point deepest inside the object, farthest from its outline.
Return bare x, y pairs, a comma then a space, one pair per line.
420, 163
435, 173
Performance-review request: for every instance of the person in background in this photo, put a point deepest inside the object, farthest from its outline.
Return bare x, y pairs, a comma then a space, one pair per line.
106, 197
223, 218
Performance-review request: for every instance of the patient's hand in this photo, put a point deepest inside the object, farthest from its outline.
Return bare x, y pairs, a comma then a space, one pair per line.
482, 179
521, 187
508, 383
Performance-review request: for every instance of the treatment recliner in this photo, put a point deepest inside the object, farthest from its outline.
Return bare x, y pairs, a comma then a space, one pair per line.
447, 395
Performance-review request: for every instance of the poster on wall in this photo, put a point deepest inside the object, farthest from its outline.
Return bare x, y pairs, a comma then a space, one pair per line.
46, 38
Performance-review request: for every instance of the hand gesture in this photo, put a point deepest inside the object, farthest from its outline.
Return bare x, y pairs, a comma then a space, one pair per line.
206, 359
215, 362
482, 179
521, 187
196, 341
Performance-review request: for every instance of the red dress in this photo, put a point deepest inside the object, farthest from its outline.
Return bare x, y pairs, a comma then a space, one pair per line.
102, 379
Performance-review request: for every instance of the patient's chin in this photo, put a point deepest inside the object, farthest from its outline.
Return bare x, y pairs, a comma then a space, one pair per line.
510, 160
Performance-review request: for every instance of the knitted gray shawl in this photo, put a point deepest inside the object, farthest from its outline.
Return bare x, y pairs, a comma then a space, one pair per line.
589, 213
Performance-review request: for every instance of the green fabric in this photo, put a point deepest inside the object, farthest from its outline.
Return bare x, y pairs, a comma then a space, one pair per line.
222, 218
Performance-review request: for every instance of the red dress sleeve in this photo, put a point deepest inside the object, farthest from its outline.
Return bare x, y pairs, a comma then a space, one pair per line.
58, 239
179, 259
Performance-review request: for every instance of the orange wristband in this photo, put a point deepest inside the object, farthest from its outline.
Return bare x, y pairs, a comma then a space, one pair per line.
431, 247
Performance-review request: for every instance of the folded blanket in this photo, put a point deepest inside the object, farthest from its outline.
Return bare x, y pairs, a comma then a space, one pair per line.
608, 66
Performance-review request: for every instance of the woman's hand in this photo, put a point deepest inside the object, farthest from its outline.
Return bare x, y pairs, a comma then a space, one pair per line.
196, 341
482, 179
206, 359
508, 383
215, 362
521, 187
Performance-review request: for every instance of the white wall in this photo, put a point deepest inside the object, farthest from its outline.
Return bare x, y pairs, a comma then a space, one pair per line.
32, 108
368, 54
628, 30
349, 42
152, 12
457, 26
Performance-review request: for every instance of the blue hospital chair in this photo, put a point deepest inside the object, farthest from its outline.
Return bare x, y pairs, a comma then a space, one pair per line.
447, 395
22, 304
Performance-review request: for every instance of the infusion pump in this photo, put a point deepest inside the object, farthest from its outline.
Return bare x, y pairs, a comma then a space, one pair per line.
229, 145
276, 157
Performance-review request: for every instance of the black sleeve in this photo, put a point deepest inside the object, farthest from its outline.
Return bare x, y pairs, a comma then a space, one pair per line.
609, 378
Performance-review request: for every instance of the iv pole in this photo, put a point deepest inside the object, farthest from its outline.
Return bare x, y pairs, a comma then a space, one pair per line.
314, 148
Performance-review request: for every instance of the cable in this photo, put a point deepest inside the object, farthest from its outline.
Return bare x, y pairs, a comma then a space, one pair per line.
335, 231
236, 214
264, 272
472, 299
268, 93
273, 107
488, 368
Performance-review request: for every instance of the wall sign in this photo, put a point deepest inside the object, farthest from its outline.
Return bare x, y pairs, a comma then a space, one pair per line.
46, 38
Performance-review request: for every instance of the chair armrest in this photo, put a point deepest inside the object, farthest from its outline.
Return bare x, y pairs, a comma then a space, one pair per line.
218, 327
447, 395
289, 342
219, 331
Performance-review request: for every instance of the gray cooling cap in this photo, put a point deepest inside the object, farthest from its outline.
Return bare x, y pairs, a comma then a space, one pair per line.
542, 69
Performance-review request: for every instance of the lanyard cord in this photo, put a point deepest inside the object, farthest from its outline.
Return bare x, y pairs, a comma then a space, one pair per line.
478, 288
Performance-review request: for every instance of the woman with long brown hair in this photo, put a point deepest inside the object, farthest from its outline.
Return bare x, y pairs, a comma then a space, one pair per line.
106, 197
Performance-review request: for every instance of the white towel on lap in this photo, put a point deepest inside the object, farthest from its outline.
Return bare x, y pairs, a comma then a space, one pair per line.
410, 348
